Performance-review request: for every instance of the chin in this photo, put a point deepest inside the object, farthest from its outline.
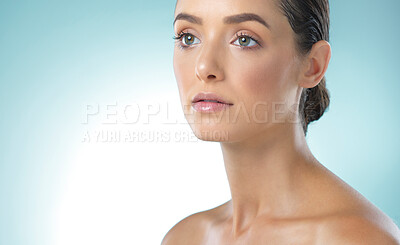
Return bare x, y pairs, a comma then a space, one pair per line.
215, 133
221, 127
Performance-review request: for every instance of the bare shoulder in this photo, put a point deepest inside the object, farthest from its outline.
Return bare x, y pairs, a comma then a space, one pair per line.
186, 231
366, 229
349, 217
192, 229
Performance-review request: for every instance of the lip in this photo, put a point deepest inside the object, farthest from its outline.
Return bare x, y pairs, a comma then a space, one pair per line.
213, 103
210, 96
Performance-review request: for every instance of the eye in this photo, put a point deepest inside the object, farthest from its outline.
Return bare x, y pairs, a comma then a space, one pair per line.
246, 41
186, 38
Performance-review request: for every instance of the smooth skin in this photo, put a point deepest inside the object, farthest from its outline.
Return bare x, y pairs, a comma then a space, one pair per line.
281, 194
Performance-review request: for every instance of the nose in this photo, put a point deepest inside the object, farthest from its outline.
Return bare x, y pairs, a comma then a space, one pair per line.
209, 65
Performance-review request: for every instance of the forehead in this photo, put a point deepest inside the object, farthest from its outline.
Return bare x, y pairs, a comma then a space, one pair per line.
215, 10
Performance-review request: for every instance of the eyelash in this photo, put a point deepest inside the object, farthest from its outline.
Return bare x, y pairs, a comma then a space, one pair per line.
182, 34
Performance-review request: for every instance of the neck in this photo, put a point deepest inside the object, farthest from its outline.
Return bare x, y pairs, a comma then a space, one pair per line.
263, 173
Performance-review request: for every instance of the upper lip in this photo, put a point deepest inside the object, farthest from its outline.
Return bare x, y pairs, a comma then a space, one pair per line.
209, 96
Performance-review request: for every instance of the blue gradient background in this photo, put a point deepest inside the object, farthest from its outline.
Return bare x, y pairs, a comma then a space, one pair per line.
56, 56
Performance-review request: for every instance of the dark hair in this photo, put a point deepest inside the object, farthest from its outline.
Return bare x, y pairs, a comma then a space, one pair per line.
309, 20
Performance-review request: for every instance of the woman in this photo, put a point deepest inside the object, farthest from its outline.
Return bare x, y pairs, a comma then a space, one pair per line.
251, 76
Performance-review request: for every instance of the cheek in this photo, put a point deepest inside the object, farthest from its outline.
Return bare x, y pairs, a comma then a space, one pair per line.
262, 80
263, 84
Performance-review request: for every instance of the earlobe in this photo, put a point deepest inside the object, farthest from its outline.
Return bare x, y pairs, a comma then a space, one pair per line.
316, 64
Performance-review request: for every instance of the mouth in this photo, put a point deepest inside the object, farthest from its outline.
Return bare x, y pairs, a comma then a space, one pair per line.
211, 98
210, 102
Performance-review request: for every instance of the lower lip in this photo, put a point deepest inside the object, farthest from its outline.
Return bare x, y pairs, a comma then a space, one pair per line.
209, 107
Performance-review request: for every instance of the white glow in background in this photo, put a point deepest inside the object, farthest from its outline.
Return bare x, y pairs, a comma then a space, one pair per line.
124, 192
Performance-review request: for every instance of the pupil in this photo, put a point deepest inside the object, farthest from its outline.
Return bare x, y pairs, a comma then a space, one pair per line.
243, 39
188, 39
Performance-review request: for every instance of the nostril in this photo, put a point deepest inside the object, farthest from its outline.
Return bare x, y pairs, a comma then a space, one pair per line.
210, 76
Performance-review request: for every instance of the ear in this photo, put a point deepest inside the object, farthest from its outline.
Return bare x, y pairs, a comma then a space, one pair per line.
315, 64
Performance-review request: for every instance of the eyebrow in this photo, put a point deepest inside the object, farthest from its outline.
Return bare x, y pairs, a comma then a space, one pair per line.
233, 19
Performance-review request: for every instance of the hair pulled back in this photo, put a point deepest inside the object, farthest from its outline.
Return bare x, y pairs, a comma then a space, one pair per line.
309, 20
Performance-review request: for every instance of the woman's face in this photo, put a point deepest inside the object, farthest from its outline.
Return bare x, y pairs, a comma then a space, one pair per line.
250, 65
